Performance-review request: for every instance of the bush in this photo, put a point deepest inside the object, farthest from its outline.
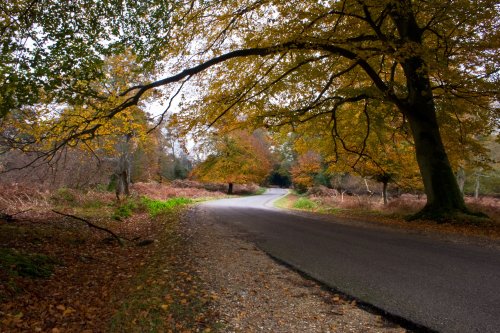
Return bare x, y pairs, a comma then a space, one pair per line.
64, 196
304, 203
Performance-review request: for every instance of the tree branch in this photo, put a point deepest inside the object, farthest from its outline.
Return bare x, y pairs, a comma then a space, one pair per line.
92, 225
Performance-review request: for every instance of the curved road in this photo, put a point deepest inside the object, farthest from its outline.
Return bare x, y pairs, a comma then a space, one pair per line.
444, 286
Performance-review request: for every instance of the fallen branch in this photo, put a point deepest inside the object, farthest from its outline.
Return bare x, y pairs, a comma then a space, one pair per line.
90, 224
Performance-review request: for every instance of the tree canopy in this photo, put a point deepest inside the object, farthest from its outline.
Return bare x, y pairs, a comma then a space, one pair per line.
432, 65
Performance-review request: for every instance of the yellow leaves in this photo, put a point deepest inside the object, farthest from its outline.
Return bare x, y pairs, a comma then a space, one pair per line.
66, 311
12, 320
240, 157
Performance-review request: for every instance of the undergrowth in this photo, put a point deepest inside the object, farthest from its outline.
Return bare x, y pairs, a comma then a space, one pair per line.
165, 295
125, 210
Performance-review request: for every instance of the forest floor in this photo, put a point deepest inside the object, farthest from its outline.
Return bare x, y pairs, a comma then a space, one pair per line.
57, 274
171, 274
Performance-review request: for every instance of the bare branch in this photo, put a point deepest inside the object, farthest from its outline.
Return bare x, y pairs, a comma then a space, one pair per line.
92, 225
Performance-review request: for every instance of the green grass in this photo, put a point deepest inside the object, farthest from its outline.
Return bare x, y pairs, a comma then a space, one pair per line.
25, 264
157, 207
125, 210
304, 203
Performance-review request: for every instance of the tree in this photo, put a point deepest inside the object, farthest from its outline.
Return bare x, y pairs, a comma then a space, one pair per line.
310, 58
308, 166
115, 141
239, 158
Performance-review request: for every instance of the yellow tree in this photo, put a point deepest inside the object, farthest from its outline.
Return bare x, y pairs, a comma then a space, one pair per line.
288, 62
306, 168
238, 158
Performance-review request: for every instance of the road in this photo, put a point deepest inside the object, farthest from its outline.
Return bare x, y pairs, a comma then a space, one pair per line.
442, 285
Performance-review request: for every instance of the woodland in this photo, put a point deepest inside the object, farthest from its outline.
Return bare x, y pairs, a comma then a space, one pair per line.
116, 114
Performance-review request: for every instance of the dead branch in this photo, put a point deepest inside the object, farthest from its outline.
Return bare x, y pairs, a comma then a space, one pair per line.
92, 225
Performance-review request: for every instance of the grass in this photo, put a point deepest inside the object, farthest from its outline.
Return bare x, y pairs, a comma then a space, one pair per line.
371, 209
158, 207
260, 191
304, 203
26, 264
125, 210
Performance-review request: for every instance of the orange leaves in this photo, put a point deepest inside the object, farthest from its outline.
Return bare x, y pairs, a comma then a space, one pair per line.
307, 167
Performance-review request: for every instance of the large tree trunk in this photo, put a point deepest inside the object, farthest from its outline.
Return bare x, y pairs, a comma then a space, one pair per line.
444, 198
443, 194
230, 188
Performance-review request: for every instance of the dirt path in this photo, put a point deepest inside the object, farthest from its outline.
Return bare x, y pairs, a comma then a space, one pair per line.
254, 293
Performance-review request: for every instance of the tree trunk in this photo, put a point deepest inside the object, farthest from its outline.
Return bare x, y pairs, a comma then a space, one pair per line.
123, 169
476, 187
461, 179
384, 191
444, 198
230, 188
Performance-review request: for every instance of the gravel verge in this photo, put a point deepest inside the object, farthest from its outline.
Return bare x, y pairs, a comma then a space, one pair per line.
254, 293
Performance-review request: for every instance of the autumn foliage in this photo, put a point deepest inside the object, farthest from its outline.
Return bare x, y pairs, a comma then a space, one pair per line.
238, 158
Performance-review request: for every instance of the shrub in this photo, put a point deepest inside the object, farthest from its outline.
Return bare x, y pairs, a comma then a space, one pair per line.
64, 196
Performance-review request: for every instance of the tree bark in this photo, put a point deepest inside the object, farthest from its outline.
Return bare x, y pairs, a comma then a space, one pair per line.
123, 168
444, 198
477, 185
230, 188
461, 179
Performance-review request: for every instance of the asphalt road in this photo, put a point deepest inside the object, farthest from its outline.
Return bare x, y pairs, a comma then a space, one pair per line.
442, 285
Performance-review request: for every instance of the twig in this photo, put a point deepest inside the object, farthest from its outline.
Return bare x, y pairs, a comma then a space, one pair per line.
90, 224
23, 211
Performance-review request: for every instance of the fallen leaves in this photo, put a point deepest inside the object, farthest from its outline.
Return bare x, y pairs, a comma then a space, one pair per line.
96, 278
